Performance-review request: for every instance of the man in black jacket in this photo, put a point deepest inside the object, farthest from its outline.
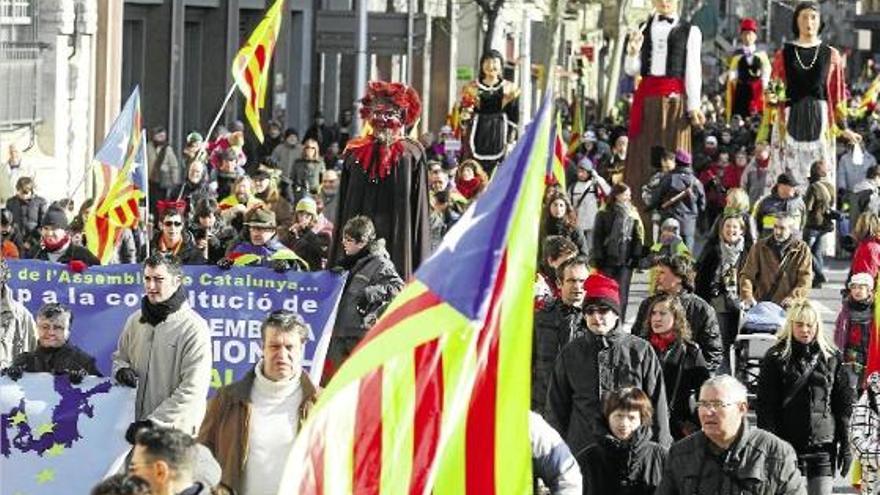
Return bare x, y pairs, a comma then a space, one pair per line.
556, 324
57, 246
604, 359
54, 353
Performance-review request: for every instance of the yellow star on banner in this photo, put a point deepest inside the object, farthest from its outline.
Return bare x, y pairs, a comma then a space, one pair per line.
45, 428
55, 450
19, 418
45, 476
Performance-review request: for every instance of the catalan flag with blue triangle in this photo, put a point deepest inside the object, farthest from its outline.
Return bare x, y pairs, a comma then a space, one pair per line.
435, 399
121, 166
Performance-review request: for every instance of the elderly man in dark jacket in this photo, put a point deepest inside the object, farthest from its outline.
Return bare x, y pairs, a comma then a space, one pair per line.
372, 283
727, 457
556, 324
605, 359
675, 276
54, 353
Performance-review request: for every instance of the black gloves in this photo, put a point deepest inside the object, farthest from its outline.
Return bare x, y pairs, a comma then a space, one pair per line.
14, 372
127, 377
76, 376
280, 266
224, 263
843, 458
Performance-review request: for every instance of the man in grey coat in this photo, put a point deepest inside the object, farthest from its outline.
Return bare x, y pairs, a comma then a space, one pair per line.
727, 457
165, 351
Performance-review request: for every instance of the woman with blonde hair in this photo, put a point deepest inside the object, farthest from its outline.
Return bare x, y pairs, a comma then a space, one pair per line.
736, 203
805, 397
684, 368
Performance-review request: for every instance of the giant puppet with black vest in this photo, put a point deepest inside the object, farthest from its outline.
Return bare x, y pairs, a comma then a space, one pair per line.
665, 53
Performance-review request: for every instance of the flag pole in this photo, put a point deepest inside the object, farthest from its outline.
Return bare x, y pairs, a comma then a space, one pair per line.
146, 185
219, 113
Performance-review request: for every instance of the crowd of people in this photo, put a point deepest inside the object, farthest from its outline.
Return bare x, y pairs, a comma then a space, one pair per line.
648, 401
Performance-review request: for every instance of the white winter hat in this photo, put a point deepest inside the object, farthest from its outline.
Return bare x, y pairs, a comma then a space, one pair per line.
862, 279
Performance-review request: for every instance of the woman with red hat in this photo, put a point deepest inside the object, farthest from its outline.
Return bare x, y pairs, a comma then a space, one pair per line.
748, 74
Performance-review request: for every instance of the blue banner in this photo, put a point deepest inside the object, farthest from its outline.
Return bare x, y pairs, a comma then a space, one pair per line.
234, 303
56, 437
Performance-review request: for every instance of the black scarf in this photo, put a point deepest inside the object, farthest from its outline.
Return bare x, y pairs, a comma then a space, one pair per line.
153, 314
860, 311
348, 261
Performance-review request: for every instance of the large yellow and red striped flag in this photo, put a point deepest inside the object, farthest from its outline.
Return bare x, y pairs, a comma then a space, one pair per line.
435, 399
250, 68
577, 127
121, 181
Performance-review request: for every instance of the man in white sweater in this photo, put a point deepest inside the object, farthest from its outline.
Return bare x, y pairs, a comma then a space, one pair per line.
251, 424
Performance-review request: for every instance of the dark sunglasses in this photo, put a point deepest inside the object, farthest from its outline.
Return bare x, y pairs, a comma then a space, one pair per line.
596, 309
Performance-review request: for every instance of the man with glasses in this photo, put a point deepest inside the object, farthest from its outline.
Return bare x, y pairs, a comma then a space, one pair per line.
173, 240
728, 457
606, 358
54, 353
164, 351
57, 246
250, 421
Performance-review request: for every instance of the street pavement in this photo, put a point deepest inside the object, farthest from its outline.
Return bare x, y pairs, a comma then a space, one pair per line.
827, 299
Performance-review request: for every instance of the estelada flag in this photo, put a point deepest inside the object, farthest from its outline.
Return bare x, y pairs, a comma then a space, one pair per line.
250, 68
435, 399
120, 165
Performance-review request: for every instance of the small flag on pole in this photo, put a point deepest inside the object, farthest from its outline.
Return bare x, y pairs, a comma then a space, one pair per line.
250, 68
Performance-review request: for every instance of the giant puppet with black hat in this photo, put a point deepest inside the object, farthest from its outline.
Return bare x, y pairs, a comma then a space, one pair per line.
809, 92
748, 74
665, 53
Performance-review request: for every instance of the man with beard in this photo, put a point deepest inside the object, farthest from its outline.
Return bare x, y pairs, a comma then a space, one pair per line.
384, 178
778, 268
164, 351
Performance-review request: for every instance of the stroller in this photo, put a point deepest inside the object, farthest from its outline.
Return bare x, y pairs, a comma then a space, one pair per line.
757, 334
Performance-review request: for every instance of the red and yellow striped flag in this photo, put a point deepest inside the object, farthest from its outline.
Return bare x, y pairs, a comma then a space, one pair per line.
577, 127
121, 162
435, 399
250, 68
556, 166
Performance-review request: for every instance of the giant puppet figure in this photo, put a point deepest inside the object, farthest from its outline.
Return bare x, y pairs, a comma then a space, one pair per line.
809, 93
490, 110
384, 177
748, 74
665, 52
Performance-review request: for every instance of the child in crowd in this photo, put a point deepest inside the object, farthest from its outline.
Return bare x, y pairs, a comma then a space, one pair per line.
852, 332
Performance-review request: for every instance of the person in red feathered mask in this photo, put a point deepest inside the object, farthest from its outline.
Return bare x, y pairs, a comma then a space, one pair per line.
55, 243
384, 177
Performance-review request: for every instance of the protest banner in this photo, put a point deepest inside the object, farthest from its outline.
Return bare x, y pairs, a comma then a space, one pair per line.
234, 303
56, 437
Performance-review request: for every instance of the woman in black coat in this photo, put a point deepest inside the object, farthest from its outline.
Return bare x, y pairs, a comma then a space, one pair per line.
618, 241
625, 461
684, 368
717, 280
560, 218
805, 397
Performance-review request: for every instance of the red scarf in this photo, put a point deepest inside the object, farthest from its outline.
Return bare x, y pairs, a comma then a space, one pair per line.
377, 159
55, 246
469, 188
662, 341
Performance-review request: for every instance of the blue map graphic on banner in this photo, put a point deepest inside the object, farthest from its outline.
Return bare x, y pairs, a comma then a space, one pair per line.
56, 437
234, 303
